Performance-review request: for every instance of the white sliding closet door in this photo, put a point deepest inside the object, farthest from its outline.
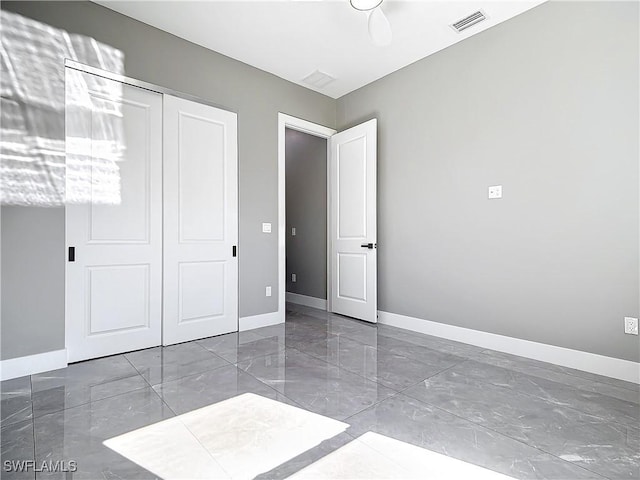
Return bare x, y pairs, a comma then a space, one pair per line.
113, 217
200, 221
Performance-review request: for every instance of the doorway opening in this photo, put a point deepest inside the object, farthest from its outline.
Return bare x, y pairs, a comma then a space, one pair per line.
351, 224
303, 166
306, 219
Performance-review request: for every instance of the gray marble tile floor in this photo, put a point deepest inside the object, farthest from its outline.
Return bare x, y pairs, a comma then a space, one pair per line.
519, 417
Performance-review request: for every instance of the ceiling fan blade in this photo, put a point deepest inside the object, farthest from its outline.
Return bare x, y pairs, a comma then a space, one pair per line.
379, 28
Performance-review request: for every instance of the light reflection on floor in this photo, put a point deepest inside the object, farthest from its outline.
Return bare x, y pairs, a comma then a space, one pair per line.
238, 438
374, 456
247, 435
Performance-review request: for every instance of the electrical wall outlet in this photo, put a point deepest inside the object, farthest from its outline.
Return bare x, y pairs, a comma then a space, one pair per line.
266, 228
495, 191
294, 278
631, 326
267, 292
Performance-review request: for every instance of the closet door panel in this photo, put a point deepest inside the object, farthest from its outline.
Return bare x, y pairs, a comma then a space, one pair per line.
113, 217
201, 176
200, 221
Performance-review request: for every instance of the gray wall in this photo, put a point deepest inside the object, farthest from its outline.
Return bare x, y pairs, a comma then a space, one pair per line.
161, 58
306, 200
549, 109
546, 107
32, 285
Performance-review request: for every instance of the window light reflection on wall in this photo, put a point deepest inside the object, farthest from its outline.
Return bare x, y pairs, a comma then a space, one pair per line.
32, 121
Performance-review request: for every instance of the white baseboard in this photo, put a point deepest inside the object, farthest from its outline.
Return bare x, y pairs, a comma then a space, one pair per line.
257, 321
307, 301
32, 364
566, 357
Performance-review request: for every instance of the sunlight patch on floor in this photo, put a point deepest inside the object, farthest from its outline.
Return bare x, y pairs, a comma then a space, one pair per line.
374, 456
169, 450
237, 438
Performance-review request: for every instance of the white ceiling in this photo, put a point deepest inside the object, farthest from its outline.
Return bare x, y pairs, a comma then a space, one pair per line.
292, 39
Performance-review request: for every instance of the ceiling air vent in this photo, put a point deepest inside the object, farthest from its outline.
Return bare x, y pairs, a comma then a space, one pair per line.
318, 79
469, 21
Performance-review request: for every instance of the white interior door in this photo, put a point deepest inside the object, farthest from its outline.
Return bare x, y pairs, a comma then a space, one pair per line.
113, 217
200, 221
353, 254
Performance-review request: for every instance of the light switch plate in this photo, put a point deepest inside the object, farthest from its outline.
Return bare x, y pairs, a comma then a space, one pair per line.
293, 231
495, 191
267, 291
266, 228
294, 277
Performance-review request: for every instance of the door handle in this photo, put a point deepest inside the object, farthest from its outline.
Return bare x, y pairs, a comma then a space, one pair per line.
370, 246
72, 254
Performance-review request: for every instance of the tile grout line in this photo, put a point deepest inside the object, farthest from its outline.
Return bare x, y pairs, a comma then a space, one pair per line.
150, 386
228, 363
396, 393
203, 447
432, 376
244, 360
543, 399
387, 349
355, 373
464, 359
474, 423
344, 370
586, 390
136, 369
603, 379
503, 434
578, 373
164, 402
213, 353
177, 378
260, 381
581, 375
82, 404
331, 365
272, 388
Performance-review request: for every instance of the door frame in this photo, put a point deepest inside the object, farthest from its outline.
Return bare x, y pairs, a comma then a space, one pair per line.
294, 123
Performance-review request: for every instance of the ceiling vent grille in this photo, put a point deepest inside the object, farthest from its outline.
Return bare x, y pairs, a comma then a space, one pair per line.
318, 79
469, 21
